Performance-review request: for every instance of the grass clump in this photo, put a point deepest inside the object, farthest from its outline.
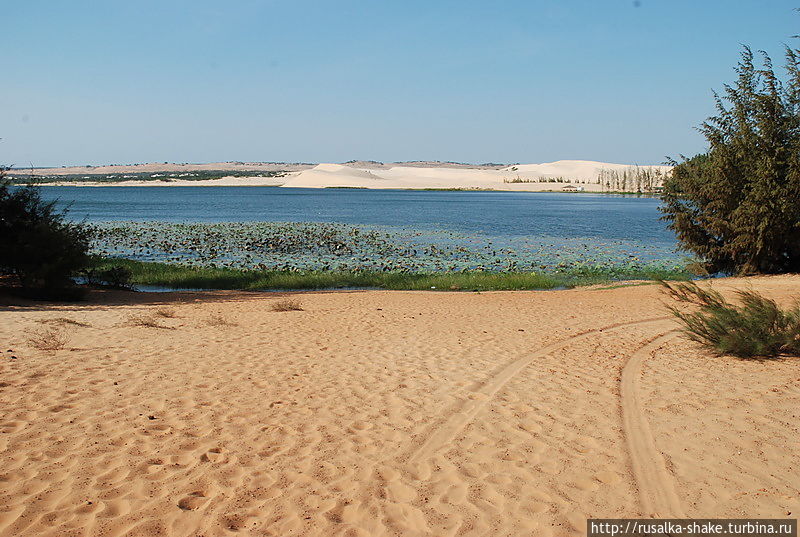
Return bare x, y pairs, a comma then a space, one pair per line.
167, 313
48, 339
757, 327
287, 305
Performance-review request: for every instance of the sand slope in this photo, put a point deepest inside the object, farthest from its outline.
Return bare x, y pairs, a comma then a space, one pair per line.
384, 413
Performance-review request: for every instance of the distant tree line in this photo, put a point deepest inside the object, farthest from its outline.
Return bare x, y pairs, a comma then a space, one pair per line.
632, 179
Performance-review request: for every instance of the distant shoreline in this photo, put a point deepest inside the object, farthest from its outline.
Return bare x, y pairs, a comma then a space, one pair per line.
560, 176
400, 189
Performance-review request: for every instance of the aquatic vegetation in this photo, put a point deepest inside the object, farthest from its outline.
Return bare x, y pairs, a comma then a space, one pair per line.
177, 276
286, 247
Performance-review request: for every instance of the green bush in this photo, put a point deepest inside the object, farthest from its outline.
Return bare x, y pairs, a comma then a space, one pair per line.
736, 206
39, 247
756, 328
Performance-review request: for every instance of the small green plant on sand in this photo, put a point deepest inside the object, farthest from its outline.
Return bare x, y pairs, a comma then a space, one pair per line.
757, 327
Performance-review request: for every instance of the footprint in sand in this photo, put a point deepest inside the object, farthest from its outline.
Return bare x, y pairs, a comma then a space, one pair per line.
240, 521
113, 476
361, 426
419, 471
473, 470
194, 501
537, 507
115, 508
387, 474
398, 492
154, 466
607, 477
583, 483
11, 426
213, 455
531, 426
457, 494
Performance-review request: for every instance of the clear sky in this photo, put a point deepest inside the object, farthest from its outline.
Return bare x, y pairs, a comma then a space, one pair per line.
473, 81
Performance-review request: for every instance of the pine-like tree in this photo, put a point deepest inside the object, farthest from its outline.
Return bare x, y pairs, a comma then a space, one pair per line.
738, 205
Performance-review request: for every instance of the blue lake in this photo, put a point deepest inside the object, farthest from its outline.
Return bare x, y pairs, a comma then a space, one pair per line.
536, 229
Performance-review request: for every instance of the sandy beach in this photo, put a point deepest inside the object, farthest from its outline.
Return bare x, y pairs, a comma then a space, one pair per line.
576, 175
374, 413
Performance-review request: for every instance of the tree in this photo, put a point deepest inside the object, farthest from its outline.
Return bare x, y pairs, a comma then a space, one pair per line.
39, 247
738, 205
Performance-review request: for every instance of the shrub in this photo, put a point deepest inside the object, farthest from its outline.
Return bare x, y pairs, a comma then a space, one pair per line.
756, 328
737, 205
38, 245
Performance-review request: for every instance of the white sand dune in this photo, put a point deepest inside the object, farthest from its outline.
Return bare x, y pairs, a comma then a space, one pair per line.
533, 177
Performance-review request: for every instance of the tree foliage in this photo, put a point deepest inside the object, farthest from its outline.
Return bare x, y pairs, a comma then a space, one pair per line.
39, 246
738, 205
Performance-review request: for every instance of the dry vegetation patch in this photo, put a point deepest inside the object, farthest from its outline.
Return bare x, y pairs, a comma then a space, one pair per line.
147, 321
64, 321
287, 305
167, 313
219, 320
48, 339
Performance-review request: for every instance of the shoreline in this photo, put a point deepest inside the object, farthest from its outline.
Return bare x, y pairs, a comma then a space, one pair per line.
559, 176
220, 183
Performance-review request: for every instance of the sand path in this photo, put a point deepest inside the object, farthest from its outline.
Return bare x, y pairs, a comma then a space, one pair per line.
656, 488
443, 434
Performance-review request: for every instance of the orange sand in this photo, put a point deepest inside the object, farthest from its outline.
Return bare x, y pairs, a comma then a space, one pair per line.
384, 413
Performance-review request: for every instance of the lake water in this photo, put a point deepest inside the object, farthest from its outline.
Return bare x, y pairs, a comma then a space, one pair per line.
480, 229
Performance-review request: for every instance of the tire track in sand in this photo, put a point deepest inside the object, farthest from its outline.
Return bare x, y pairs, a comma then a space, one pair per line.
656, 485
441, 435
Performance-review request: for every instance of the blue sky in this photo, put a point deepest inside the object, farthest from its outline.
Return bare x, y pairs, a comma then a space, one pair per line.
471, 81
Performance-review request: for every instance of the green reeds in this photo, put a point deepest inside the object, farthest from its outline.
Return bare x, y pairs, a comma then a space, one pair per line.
177, 276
